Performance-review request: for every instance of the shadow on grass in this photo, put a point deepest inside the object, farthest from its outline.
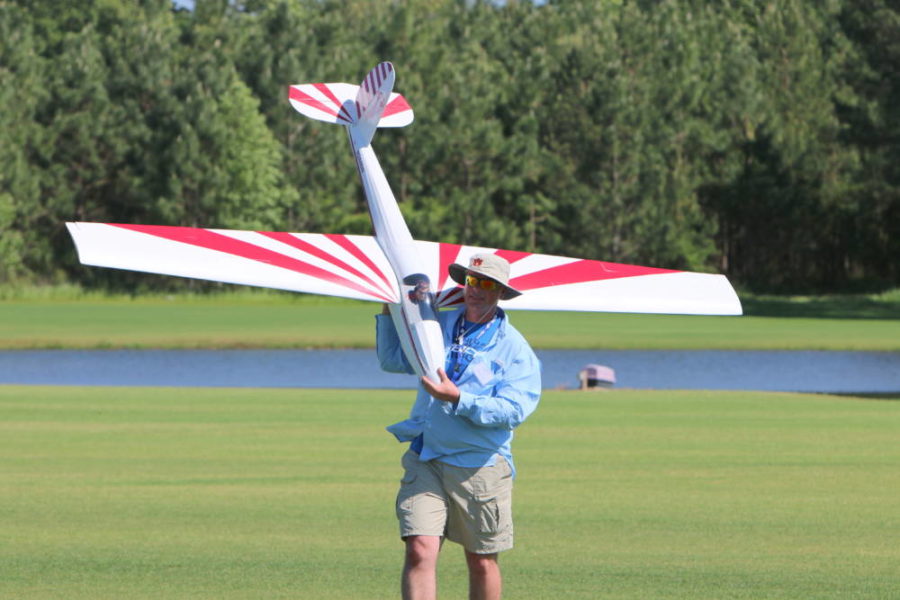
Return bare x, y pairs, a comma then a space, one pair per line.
824, 307
895, 396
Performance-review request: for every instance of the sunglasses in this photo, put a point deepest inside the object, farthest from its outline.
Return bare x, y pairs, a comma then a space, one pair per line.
485, 284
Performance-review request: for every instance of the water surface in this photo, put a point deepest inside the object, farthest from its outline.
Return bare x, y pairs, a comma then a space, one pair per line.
800, 371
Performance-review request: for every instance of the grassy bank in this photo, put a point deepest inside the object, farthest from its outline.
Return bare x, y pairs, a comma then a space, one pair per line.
186, 493
70, 319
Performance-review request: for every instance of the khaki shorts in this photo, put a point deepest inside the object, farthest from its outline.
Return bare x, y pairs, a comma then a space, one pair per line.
469, 506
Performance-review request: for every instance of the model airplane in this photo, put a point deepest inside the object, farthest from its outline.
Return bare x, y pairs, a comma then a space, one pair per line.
391, 267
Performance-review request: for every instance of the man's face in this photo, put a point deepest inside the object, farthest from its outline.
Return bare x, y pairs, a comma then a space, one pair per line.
479, 300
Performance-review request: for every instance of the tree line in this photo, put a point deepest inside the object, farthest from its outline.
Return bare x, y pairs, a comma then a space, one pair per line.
755, 139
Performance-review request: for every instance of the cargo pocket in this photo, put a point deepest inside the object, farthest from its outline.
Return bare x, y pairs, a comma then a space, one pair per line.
407, 491
485, 510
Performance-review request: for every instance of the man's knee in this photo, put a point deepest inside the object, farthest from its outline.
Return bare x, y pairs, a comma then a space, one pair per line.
422, 549
481, 563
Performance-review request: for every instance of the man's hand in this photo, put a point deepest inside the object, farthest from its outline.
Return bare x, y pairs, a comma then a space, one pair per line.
446, 390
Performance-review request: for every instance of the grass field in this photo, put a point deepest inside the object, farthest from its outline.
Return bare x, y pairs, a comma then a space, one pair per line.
269, 320
223, 493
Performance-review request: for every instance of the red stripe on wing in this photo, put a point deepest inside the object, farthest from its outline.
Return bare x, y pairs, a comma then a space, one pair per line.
295, 242
512, 256
580, 271
344, 242
447, 255
211, 240
449, 297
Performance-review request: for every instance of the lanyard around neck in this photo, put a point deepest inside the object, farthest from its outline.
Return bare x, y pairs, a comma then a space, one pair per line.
461, 332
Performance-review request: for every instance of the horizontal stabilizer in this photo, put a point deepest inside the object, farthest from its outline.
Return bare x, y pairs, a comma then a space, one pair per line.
336, 103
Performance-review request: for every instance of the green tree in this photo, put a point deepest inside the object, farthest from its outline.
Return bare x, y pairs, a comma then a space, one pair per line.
218, 165
21, 73
69, 161
872, 128
758, 139
628, 120
286, 42
783, 212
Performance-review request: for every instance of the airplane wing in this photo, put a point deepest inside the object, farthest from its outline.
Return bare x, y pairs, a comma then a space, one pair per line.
354, 266
549, 282
349, 266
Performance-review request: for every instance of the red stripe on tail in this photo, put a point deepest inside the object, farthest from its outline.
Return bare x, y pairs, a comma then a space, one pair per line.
397, 105
337, 102
303, 97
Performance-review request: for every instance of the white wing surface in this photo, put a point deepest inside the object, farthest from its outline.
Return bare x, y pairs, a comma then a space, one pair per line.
549, 282
354, 266
348, 266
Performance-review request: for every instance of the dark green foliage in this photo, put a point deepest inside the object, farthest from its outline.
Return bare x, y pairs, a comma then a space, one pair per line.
755, 139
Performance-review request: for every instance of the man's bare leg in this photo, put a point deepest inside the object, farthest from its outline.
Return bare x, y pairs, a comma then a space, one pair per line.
485, 582
420, 567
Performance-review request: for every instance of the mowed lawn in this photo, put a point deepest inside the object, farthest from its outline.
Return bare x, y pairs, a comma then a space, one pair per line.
226, 493
281, 321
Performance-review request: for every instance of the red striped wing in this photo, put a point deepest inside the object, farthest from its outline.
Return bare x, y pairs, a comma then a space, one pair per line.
355, 267
550, 282
335, 265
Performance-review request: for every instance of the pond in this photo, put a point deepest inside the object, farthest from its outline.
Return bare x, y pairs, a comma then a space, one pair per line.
798, 371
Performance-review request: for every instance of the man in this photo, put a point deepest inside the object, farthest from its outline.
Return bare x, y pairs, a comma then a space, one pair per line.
421, 287
459, 469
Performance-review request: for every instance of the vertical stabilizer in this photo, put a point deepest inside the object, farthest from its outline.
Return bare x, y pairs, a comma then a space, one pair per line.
371, 100
346, 104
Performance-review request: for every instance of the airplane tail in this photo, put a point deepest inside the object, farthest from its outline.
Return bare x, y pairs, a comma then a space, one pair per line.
362, 108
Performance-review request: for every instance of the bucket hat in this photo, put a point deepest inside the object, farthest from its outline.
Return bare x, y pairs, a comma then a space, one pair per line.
487, 265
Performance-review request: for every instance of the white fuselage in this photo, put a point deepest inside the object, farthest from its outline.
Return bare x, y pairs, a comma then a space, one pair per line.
414, 315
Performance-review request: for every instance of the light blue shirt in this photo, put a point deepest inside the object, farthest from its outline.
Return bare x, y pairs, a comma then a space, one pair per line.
498, 390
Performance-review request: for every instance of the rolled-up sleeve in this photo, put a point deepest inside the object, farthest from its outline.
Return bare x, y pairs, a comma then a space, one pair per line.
387, 346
